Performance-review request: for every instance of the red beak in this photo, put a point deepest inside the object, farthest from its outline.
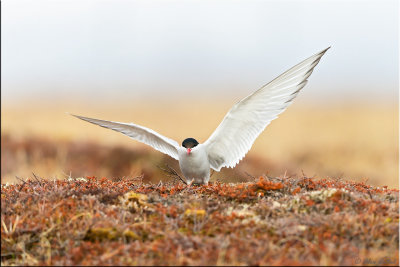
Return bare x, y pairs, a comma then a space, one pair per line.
189, 150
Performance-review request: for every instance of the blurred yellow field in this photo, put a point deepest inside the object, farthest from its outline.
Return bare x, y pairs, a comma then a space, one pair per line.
355, 142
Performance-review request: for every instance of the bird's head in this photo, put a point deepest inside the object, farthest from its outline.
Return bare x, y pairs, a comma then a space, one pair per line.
189, 144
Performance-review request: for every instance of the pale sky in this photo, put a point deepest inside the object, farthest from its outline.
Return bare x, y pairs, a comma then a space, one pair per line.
118, 50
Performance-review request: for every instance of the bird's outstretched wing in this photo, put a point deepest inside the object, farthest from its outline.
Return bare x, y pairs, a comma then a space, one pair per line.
241, 126
141, 134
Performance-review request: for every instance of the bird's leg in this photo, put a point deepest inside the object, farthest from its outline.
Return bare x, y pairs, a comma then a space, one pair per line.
189, 183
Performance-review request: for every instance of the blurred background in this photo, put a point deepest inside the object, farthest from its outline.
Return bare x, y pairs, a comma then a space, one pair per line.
178, 66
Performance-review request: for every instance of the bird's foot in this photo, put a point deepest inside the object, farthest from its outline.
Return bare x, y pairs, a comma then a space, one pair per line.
192, 182
189, 183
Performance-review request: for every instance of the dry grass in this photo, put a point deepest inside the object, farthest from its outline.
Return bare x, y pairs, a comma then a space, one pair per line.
268, 221
356, 142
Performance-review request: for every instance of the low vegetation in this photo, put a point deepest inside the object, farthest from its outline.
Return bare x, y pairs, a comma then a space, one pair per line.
266, 221
353, 140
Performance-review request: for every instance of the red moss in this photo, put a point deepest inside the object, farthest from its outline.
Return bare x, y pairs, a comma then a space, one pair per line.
268, 221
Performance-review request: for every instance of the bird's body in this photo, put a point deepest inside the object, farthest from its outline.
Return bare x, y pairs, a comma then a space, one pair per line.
237, 132
195, 165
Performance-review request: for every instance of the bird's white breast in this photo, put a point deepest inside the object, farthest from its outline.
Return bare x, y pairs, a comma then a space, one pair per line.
195, 166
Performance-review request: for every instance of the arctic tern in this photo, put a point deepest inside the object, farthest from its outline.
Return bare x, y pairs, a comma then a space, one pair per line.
237, 132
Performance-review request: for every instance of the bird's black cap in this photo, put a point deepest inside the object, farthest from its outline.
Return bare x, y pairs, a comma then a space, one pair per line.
189, 143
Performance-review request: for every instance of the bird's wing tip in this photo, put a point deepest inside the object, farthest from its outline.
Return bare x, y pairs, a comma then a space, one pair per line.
76, 116
326, 49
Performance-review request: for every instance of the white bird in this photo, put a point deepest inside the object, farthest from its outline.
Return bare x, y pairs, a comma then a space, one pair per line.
237, 132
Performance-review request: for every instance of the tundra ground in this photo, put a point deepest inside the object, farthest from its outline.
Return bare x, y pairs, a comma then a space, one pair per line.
266, 221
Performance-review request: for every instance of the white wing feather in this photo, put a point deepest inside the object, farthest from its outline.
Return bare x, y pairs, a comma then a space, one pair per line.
141, 134
240, 127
